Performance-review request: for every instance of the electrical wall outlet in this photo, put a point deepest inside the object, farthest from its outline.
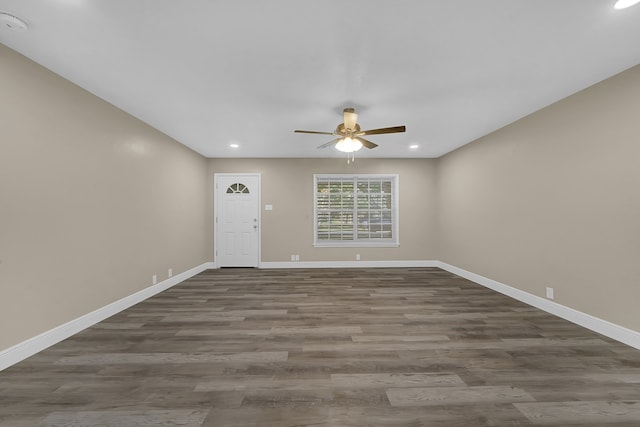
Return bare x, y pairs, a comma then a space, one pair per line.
549, 293
357, 257
170, 272
154, 279
293, 257
297, 257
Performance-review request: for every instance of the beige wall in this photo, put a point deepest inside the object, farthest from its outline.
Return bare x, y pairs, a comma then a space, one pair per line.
287, 184
92, 202
554, 200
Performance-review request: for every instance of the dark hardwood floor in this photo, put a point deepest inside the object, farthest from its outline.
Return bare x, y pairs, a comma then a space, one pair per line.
327, 347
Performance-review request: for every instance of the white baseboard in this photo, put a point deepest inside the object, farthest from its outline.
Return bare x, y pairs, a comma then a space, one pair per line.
348, 264
608, 329
28, 348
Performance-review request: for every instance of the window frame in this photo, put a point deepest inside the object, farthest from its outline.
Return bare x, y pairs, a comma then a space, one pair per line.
394, 241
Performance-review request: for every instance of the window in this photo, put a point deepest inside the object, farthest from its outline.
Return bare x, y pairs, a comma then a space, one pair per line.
356, 210
237, 188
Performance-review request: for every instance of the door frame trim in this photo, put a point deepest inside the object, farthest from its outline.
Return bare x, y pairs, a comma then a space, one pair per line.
216, 176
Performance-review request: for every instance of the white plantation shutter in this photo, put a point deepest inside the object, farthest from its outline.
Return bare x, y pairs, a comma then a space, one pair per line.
356, 210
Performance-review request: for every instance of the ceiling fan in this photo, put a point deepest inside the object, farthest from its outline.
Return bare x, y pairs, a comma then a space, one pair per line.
349, 136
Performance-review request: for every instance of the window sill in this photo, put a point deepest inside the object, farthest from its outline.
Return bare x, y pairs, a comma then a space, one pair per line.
356, 244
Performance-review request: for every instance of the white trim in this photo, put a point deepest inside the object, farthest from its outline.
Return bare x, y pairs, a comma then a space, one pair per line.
355, 244
608, 329
28, 348
604, 327
349, 264
31, 346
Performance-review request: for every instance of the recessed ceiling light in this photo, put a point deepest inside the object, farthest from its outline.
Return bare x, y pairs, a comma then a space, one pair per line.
12, 22
234, 146
623, 4
414, 146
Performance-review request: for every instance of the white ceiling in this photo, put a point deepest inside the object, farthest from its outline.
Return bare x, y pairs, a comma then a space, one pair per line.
214, 72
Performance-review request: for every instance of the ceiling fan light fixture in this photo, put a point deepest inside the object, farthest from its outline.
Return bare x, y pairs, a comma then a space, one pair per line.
348, 145
350, 136
623, 4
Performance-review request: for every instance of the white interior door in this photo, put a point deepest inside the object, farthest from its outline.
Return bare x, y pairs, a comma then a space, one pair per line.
237, 226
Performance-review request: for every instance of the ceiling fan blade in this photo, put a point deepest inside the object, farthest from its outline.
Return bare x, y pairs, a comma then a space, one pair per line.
394, 129
313, 131
366, 143
350, 118
330, 143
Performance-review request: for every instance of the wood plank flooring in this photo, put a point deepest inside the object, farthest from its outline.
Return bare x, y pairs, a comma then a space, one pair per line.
327, 347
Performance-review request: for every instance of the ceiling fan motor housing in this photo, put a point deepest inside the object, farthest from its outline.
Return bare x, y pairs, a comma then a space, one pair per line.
342, 130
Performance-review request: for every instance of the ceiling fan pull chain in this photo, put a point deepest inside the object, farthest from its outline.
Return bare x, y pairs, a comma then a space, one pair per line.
351, 157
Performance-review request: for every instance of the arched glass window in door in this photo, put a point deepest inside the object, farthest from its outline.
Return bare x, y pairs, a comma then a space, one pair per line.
238, 188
